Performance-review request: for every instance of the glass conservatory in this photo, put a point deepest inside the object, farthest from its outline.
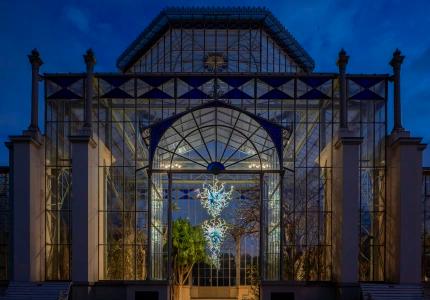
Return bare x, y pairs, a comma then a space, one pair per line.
217, 118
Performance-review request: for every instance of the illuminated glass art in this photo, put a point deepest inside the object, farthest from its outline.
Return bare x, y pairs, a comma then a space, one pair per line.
214, 231
214, 198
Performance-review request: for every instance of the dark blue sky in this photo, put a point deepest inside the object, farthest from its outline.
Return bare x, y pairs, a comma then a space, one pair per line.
369, 30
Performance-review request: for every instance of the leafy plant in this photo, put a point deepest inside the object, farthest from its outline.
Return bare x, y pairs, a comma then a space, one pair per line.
188, 249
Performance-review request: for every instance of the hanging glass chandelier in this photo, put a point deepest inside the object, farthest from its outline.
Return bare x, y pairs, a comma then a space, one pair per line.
214, 198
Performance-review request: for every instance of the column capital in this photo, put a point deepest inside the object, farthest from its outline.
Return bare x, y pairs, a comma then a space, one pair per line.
34, 58
342, 60
347, 140
90, 59
397, 60
83, 139
401, 138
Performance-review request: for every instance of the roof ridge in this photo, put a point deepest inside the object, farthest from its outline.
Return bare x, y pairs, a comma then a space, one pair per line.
215, 9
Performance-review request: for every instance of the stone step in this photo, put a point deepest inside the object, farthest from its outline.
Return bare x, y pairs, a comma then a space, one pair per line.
213, 298
392, 292
35, 290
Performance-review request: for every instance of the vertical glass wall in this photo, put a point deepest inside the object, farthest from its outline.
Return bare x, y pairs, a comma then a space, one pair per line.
5, 222
307, 181
426, 226
159, 230
367, 118
209, 50
123, 186
63, 117
271, 187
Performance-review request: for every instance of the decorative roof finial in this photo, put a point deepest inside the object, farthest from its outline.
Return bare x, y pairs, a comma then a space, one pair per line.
343, 59
397, 59
89, 58
396, 63
34, 58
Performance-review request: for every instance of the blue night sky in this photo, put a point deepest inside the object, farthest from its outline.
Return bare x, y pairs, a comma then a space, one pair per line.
62, 31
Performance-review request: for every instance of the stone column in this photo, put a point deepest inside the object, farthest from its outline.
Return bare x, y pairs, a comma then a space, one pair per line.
28, 206
342, 192
28, 192
346, 208
84, 209
404, 185
345, 198
84, 195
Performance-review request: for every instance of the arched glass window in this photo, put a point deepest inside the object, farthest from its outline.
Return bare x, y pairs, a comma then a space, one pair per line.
214, 139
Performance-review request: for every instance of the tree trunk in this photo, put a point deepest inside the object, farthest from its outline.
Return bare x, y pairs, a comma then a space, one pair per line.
238, 261
178, 292
181, 292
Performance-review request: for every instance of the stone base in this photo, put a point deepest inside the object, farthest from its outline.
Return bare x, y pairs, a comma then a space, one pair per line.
348, 291
120, 290
297, 291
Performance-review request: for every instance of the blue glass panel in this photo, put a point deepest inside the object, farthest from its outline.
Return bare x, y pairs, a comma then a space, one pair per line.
366, 82
215, 167
314, 81
195, 81
275, 94
155, 81
236, 94
275, 81
116, 93
156, 94
115, 80
64, 81
366, 95
235, 81
314, 94
64, 94
194, 94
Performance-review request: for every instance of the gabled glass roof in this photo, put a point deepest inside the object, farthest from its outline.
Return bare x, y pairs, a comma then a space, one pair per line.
234, 16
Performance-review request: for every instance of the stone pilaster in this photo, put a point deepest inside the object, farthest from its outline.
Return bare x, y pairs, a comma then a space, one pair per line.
28, 205
345, 201
84, 209
404, 179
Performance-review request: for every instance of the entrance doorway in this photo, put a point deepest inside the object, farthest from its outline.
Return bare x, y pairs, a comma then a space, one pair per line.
221, 145
239, 255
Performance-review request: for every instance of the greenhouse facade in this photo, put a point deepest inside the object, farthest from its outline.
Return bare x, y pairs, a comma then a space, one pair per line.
216, 119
